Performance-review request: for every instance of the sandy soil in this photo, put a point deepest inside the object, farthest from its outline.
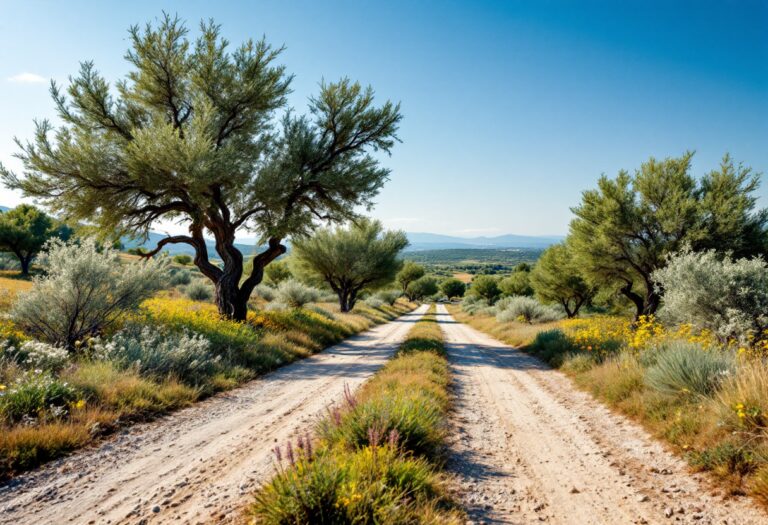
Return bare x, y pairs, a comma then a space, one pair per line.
199, 465
529, 448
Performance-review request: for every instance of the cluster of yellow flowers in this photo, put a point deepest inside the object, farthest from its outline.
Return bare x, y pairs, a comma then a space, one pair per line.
9, 332
199, 317
352, 495
603, 334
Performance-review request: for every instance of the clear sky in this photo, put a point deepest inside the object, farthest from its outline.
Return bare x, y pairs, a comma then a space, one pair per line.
511, 108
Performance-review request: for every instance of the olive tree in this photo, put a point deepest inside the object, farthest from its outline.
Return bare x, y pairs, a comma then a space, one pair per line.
410, 272
453, 287
625, 229
24, 230
359, 257
556, 278
189, 135
421, 288
485, 286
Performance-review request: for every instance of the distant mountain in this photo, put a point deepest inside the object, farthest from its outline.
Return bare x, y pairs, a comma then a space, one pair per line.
177, 249
4, 208
433, 241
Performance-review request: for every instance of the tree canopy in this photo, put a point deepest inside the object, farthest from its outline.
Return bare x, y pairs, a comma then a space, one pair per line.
191, 135
453, 287
625, 229
359, 257
409, 273
422, 287
556, 278
485, 286
518, 283
24, 230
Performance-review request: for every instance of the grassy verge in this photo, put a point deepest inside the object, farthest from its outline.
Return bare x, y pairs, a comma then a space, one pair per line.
376, 459
708, 403
48, 412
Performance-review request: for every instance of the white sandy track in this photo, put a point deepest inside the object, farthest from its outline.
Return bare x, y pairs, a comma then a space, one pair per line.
530, 448
201, 464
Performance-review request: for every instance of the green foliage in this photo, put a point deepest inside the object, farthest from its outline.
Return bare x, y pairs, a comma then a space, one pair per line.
180, 277
159, 353
35, 394
684, 368
453, 287
557, 278
24, 230
277, 272
83, 292
182, 259
715, 293
359, 257
199, 291
189, 135
525, 309
519, 283
422, 288
295, 294
625, 229
409, 273
486, 287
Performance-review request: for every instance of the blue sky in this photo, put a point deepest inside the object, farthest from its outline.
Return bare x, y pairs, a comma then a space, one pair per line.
511, 108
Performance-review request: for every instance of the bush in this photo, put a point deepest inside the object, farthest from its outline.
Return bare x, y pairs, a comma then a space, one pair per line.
374, 302
552, 346
422, 288
687, 368
453, 287
485, 286
158, 353
473, 304
295, 294
526, 310
183, 259
199, 291
39, 355
84, 292
266, 292
389, 297
728, 298
35, 394
180, 277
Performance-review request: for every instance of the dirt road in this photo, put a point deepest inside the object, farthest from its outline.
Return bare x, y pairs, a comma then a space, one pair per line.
529, 448
201, 464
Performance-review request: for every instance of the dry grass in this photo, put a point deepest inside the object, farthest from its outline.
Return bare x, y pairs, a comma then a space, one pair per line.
378, 457
10, 285
512, 333
725, 433
464, 277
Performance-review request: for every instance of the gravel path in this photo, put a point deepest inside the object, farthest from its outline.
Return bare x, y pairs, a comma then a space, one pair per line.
530, 448
201, 464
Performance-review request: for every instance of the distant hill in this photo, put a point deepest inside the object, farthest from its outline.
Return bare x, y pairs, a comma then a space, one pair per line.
433, 241
177, 249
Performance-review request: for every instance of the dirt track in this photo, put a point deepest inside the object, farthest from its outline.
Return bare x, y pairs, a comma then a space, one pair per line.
529, 448
200, 464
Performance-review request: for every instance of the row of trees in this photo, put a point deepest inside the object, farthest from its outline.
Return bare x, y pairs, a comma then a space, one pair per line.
626, 230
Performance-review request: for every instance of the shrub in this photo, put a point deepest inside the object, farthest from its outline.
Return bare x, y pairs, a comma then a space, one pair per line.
295, 294
525, 309
199, 291
551, 346
84, 292
707, 291
35, 394
180, 277
422, 288
266, 292
158, 353
39, 355
473, 304
453, 287
389, 297
374, 301
183, 259
687, 368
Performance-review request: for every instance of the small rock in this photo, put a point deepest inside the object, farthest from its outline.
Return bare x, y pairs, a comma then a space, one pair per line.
574, 490
668, 512
156, 509
642, 499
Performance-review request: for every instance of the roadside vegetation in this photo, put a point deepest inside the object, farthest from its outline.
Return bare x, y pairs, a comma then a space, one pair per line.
377, 457
673, 294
